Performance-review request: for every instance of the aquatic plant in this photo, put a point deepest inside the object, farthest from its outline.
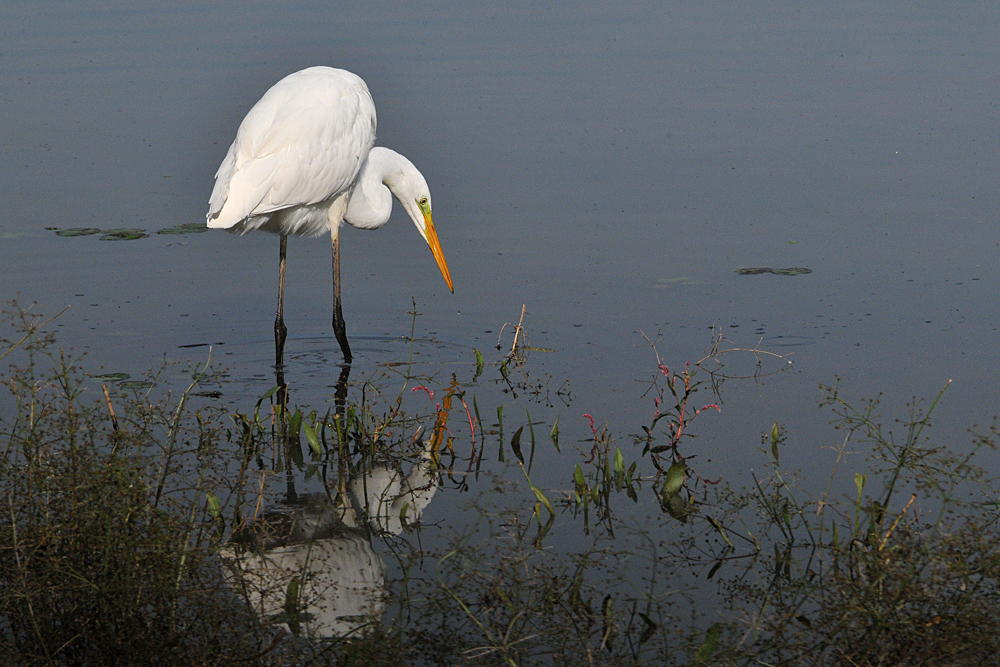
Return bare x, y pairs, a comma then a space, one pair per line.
144, 526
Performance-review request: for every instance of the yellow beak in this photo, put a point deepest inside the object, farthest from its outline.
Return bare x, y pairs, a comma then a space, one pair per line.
432, 241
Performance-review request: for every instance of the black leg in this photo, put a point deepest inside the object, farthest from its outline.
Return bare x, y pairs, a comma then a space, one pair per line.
339, 327
280, 332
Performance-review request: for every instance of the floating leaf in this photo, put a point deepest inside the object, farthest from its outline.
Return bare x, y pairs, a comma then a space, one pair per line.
112, 377
136, 384
124, 234
207, 394
774, 442
555, 434
186, 228
759, 270
78, 231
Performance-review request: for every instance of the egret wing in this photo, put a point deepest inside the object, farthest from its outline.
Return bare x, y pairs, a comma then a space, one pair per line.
302, 144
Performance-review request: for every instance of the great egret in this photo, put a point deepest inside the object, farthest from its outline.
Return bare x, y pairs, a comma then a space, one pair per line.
303, 161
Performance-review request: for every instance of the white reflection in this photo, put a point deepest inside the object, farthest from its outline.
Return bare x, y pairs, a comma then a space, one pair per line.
323, 548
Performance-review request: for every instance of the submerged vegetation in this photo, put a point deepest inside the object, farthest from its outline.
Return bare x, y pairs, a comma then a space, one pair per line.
149, 527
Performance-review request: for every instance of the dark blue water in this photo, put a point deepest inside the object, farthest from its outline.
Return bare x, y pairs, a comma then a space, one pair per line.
610, 168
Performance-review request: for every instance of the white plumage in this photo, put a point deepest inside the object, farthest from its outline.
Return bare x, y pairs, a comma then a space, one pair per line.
303, 161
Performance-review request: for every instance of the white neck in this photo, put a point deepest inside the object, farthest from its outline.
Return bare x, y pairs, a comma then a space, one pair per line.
371, 200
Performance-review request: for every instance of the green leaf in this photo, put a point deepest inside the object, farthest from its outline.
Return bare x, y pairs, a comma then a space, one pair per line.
267, 394
214, 507
774, 442
630, 491
715, 524
676, 507
292, 596
78, 231
579, 481
675, 479
479, 363
295, 424
619, 461
291, 606
112, 377
515, 444
542, 499
402, 517
312, 439
709, 646
135, 384
555, 435
185, 228
123, 234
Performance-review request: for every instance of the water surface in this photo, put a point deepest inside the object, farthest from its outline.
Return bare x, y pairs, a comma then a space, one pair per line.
611, 169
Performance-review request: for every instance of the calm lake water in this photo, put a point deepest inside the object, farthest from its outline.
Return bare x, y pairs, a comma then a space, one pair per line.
609, 168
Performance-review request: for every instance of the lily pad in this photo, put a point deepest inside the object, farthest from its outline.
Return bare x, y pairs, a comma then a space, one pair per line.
136, 384
758, 270
112, 377
124, 234
78, 231
186, 228
207, 394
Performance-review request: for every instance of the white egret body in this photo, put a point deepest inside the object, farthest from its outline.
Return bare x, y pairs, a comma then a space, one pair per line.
303, 161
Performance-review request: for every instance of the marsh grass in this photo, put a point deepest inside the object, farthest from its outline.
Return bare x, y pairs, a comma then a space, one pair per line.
124, 513
104, 554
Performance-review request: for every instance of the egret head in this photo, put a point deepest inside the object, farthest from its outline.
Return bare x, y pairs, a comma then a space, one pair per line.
410, 189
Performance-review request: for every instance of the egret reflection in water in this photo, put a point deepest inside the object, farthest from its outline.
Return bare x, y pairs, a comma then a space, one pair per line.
310, 564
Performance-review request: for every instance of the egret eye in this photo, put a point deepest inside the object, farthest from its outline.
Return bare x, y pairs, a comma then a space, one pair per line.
423, 202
